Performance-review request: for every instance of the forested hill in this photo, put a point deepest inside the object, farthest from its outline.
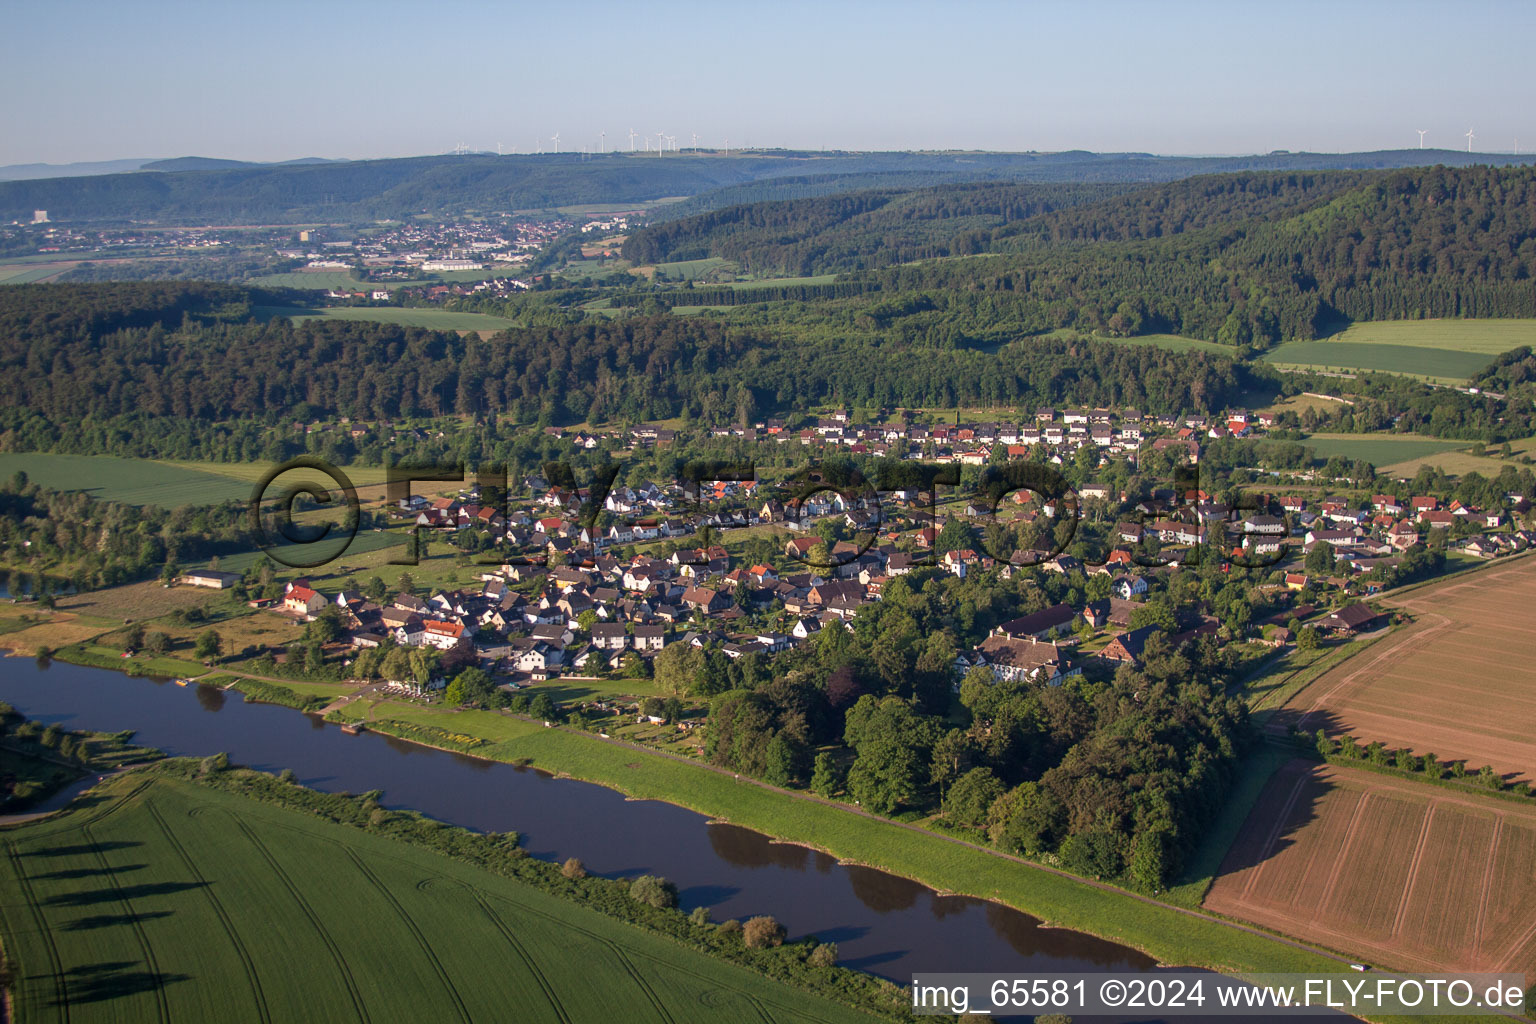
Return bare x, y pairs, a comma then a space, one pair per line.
103, 362
1291, 262
855, 230
366, 190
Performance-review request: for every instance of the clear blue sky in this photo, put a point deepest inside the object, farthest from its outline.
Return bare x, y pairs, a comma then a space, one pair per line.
92, 80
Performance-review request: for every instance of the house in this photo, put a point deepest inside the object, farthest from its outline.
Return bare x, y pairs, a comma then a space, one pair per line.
1351, 619
1127, 587
705, 600
1014, 660
304, 601
609, 636
442, 635
1111, 611
1128, 648
1043, 625
650, 638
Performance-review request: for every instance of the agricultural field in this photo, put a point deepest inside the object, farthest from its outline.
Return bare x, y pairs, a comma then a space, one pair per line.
134, 481
1407, 875
1442, 351
432, 319
688, 270
1381, 450
32, 273
1458, 682
164, 900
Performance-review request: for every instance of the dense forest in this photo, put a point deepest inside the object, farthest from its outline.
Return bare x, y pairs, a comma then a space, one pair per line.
71, 352
1116, 776
1248, 260
854, 230
366, 190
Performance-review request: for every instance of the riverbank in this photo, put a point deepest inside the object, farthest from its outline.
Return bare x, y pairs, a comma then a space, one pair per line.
250, 898
1170, 934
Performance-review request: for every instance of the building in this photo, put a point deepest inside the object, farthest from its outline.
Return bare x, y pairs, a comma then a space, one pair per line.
1042, 625
452, 265
1352, 619
209, 578
304, 601
1014, 660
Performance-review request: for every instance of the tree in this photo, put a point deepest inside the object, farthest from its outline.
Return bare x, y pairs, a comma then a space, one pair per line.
471, 686
573, 869
1309, 638
893, 743
134, 638
824, 955
375, 589
209, 645
785, 757
653, 891
679, 668
157, 643
406, 584
762, 933
972, 796
542, 707
826, 775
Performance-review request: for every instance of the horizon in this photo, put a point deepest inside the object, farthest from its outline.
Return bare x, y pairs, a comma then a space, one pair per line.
1196, 78
706, 151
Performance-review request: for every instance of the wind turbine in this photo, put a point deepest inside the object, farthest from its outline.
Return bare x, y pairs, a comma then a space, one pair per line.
631, 140
1422, 132
695, 141
661, 140
602, 145
555, 138
1470, 137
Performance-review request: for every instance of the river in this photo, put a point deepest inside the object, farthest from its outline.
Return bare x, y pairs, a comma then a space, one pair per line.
883, 924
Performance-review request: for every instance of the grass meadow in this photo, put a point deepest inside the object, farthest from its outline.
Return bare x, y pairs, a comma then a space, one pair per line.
432, 319
1442, 351
1380, 449
134, 481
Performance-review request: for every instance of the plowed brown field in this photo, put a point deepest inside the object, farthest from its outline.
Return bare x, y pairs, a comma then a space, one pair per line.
1460, 682
1412, 876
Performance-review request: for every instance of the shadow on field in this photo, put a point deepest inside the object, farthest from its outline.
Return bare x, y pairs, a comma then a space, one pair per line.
94, 983
81, 849
1288, 804
85, 924
120, 869
115, 894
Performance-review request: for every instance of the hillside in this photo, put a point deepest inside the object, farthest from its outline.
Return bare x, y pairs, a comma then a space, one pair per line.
1255, 261
366, 190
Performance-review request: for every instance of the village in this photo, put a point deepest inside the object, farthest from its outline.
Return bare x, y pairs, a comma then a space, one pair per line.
577, 583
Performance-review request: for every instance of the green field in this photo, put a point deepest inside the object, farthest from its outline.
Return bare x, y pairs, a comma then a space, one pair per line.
135, 481
692, 269
162, 899
1445, 351
434, 319
1379, 449
27, 273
